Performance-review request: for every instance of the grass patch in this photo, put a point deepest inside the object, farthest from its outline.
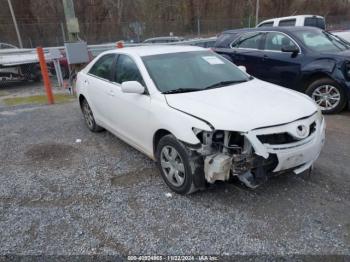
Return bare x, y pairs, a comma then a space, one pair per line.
37, 100
3, 93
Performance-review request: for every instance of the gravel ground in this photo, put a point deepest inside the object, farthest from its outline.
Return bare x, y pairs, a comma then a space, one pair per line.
100, 196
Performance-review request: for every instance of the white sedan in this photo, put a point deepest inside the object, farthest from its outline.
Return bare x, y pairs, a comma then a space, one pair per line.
200, 117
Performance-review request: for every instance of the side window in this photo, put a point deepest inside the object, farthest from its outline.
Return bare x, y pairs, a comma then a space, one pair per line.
224, 40
127, 70
289, 22
267, 24
275, 41
315, 22
251, 40
103, 67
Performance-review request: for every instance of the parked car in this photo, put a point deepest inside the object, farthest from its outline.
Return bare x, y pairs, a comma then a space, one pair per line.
163, 39
7, 46
204, 42
297, 20
306, 59
199, 116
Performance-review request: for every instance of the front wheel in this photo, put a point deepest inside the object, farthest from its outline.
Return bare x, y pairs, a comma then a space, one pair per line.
89, 117
173, 161
328, 95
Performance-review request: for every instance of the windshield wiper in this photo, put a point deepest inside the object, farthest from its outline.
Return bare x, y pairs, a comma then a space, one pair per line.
224, 83
216, 85
181, 90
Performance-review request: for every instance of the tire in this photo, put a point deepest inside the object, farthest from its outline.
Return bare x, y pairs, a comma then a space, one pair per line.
89, 117
181, 180
328, 95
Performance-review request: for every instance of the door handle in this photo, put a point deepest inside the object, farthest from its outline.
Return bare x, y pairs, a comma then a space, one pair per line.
265, 57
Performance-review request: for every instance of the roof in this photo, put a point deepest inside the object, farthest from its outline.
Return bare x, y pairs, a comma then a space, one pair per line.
283, 29
156, 49
164, 38
289, 17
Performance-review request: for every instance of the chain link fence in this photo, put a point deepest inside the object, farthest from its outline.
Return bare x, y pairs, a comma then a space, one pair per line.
55, 34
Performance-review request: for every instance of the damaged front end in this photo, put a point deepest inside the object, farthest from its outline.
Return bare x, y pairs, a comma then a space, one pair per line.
256, 155
229, 154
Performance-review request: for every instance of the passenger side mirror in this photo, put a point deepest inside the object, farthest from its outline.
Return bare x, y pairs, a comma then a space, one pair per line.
132, 87
290, 49
243, 68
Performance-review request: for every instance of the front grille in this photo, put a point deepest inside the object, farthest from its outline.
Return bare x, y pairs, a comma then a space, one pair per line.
283, 138
312, 128
277, 139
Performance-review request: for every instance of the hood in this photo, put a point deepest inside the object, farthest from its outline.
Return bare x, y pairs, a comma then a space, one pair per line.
342, 54
245, 106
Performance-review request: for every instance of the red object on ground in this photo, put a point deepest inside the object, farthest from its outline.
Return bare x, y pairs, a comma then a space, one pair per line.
120, 44
45, 74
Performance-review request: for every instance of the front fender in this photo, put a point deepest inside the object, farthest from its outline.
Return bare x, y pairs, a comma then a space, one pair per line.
321, 65
176, 122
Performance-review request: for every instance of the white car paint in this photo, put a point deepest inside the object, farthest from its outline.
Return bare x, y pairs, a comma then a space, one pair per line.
251, 108
245, 106
299, 20
343, 34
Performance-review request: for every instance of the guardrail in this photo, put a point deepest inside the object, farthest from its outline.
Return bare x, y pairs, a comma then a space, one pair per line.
9, 56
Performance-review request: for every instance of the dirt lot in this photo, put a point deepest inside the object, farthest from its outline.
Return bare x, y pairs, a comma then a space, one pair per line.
100, 196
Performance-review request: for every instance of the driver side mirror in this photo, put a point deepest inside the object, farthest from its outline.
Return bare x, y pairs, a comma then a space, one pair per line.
132, 87
290, 49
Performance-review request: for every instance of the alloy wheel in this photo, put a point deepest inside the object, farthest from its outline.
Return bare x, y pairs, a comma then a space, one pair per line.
89, 118
327, 97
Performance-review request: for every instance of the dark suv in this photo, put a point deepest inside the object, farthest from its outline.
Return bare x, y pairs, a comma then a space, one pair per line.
305, 59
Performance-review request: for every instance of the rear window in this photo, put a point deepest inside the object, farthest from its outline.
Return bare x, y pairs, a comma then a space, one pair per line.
268, 24
315, 22
289, 22
225, 40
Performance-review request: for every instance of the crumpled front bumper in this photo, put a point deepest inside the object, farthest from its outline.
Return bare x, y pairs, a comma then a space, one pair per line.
297, 156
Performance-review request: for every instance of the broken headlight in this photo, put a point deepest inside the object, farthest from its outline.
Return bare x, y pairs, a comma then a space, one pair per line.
205, 137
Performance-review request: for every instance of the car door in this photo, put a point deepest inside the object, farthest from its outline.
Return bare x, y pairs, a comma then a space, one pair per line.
281, 68
98, 85
247, 52
129, 112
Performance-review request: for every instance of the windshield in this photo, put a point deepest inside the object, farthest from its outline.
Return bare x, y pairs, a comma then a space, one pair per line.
192, 71
321, 41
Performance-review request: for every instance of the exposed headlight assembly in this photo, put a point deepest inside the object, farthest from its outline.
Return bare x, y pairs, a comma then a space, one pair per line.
203, 135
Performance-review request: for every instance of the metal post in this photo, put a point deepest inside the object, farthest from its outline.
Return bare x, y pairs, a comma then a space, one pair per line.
15, 24
198, 19
257, 7
63, 33
71, 20
45, 74
58, 71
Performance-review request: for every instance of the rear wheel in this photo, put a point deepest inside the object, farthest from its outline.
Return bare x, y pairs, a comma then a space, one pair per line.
89, 117
173, 161
328, 95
